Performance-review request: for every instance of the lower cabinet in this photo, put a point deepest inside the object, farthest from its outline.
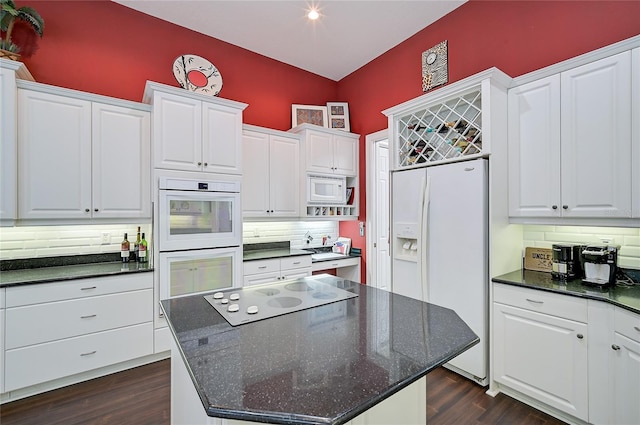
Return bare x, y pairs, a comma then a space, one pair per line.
567, 355
540, 348
55, 330
272, 270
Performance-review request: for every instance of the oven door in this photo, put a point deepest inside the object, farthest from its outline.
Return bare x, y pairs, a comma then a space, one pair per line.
196, 220
185, 273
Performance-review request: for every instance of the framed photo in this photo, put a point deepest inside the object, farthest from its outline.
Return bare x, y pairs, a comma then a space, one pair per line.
301, 114
339, 115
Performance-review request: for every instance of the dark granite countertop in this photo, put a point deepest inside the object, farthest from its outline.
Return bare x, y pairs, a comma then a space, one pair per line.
312, 366
625, 296
55, 269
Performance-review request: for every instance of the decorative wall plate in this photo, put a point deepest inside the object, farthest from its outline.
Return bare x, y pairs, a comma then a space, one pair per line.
435, 71
197, 74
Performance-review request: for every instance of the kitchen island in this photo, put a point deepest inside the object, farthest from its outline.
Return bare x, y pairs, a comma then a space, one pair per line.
361, 360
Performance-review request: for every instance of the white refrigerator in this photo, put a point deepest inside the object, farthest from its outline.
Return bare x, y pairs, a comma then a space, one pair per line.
439, 217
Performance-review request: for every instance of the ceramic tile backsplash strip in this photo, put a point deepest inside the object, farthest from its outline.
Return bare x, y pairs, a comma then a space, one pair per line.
628, 239
293, 231
52, 241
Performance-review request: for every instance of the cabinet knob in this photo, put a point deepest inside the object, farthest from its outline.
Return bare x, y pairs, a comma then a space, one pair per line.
554, 207
565, 207
199, 163
87, 210
580, 336
95, 209
206, 163
615, 347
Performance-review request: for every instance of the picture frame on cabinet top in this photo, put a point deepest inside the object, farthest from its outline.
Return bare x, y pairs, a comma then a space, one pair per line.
309, 114
435, 68
338, 115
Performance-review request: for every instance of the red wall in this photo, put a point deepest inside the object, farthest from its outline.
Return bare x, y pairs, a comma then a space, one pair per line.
102, 47
515, 36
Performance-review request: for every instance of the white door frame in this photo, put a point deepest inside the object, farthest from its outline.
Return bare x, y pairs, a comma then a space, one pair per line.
370, 140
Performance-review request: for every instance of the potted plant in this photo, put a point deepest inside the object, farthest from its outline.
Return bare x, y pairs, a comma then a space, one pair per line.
8, 15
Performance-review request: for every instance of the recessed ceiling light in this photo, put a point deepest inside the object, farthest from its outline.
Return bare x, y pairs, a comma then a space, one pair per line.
313, 14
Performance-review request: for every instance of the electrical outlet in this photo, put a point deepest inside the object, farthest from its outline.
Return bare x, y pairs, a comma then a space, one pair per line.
607, 240
362, 228
256, 233
106, 238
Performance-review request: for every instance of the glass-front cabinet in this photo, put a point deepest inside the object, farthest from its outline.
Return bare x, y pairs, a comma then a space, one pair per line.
448, 124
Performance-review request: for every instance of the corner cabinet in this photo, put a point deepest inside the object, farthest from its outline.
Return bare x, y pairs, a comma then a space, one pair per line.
10, 71
449, 124
194, 132
335, 153
81, 156
570, 142
271, 178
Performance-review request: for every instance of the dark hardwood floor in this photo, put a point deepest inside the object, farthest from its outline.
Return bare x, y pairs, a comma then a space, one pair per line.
141, 396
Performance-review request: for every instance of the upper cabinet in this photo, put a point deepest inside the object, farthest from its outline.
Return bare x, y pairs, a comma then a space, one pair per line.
10, 71
81, 156
329, 151
572, 152
271, 178
194, 132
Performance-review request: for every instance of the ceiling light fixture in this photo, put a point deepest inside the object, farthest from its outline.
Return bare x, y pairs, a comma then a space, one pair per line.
313, 14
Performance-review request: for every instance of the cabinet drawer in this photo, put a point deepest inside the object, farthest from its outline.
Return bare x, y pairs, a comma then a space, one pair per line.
565, 306
53, 360
35, 324
298, 262
66, 290
261, 278
627, 323
262, 266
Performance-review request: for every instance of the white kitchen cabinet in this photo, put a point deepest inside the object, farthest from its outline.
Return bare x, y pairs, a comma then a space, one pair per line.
271, 178
81, 158
9, 72
329, 151
193, 132
272, 270
635, 131
540, 347
626, 368
570, 152
2, 315
82, 325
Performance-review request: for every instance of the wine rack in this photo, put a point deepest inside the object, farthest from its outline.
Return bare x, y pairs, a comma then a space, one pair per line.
451, 129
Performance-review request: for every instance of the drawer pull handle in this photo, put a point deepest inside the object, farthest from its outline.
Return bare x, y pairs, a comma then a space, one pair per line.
88, 317
580, 336
615, 347
334, 264
535, 301
262, 267
297, 262
88, 354
637, 328
88, 287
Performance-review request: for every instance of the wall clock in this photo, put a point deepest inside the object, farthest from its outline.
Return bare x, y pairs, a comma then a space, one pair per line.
435, 70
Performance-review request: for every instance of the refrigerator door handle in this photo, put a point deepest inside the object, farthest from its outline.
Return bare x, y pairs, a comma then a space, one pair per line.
423, 245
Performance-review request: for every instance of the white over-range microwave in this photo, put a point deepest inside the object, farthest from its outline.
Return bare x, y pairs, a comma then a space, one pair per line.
326, 190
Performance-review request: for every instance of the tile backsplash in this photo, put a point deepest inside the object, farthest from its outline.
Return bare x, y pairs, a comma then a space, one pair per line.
628, 238
293, 231
51, 241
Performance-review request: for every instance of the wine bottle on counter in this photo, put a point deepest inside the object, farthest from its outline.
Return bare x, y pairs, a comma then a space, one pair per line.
136, 246
124, 249
142, 250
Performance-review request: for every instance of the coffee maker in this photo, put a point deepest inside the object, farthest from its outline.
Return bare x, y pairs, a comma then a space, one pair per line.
566, 263
600, 264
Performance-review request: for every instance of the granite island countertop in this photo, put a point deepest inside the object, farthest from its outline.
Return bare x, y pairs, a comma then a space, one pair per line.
625, 296
321, 365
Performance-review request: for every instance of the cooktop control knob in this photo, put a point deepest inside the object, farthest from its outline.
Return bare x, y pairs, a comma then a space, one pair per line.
224, 301
218, 296
233, 308
252, 309
234, 297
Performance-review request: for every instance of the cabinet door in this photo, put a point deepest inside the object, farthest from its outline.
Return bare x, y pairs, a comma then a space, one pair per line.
121, 162
596, 138
255, 177
319, 152
8, 146
177, 132
542, 356
626, 369
221, 139
284, 173
534, 149
54, 156
345, 159
635, 131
